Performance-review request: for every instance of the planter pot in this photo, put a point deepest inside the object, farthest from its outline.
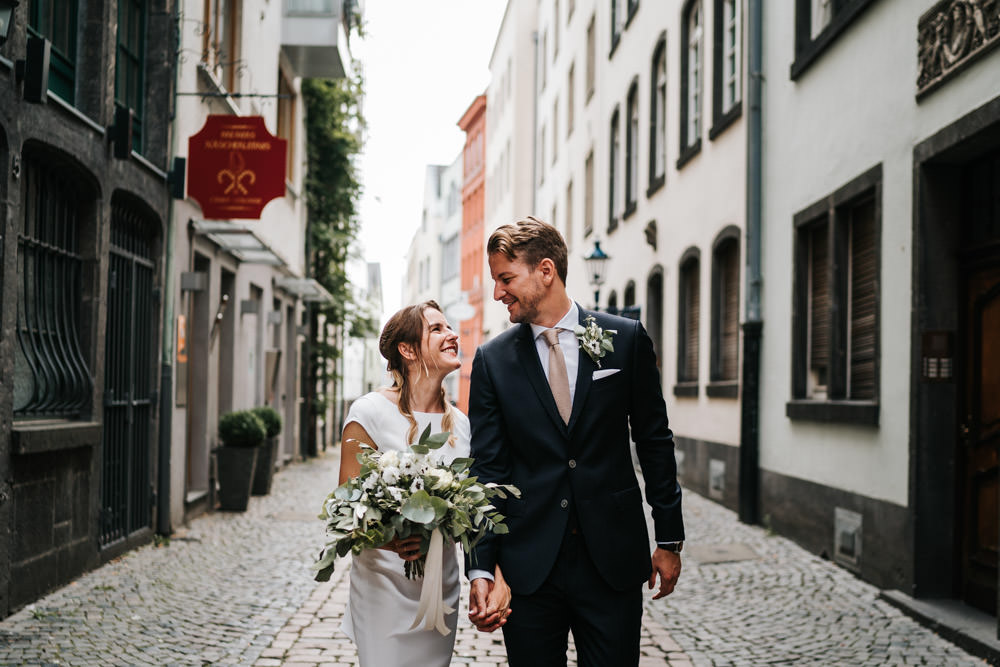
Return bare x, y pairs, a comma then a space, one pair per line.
236, 469
266, 460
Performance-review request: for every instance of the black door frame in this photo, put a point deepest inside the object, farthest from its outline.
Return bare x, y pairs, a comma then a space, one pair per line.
937, 276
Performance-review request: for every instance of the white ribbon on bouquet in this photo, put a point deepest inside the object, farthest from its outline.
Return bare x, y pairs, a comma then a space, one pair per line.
432, 608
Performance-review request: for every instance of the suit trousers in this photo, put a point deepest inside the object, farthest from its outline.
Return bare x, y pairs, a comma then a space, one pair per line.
606, 623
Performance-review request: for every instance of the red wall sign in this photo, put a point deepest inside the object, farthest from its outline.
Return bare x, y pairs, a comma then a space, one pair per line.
235, 167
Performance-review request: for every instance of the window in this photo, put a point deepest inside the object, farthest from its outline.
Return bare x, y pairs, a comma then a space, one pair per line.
130, 88
632, 151
617, 22
555, 130
725, 320
449, 258
821, 11
588, 195
543, 60
727, 76
818, 24
541, 156
691, 84
835, 291
286, 122
688, 315
591, 57
570, 98
613, 173
555, 30
569, 216
52, 378
658, 118
221, 45
55, 20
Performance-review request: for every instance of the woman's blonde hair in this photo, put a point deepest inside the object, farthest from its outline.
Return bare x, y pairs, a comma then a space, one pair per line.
407, 327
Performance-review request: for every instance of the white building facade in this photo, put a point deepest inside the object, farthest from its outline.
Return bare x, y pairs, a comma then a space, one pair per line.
641, 146
238, 286
880, 406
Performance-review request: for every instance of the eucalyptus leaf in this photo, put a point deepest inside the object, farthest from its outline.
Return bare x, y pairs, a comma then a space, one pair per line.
418, 508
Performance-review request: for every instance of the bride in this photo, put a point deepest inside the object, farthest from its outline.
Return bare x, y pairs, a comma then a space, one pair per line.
421, 349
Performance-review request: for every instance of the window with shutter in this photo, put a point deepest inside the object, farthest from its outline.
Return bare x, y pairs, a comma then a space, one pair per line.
835, 322
861, 378
725, 313
689, 316
819, 310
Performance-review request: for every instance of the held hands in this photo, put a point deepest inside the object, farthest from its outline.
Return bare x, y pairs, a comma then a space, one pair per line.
408, 548
667, 565
489, 603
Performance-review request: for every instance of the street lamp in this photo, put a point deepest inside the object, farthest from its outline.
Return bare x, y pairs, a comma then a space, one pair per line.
6, 18
597, 262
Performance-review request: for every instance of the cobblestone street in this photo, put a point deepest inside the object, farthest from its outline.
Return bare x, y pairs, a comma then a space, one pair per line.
236, 589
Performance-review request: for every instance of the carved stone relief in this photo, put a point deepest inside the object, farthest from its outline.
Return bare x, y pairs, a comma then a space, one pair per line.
951, 35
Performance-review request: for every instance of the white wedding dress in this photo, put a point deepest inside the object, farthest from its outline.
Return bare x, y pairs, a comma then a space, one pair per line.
383, 602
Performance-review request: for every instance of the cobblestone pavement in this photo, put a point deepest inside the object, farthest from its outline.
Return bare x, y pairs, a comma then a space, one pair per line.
235, 589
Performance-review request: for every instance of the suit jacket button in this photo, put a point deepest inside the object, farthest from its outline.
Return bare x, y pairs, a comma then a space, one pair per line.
564, 503
572, 463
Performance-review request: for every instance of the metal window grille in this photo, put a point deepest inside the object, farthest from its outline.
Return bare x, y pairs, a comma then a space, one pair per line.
126, 499
51, 377
689, 318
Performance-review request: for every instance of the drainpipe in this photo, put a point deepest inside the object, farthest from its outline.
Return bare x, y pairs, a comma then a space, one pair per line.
163, 523
749, 472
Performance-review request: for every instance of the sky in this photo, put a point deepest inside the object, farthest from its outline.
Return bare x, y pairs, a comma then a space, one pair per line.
425, 61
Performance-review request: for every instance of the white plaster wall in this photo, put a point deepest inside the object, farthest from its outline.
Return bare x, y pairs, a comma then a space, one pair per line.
694, 205
282, 223
852, 109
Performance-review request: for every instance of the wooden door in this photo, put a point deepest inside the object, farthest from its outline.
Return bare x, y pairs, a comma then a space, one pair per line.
980, 439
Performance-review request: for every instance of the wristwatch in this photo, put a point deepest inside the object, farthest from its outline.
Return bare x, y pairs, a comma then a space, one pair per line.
676, 547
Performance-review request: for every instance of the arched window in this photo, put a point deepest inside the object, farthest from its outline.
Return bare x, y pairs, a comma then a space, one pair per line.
725, 320
692, 48
688, 317
613, 173
654, 311
658, 117
52, 376
632, 150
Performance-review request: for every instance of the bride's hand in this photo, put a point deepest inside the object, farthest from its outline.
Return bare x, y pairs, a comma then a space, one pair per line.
497, 605
408, 548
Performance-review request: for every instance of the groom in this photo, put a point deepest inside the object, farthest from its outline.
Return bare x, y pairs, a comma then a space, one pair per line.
554, 418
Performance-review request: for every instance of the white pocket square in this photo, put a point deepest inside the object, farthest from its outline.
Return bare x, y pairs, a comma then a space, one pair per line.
605, 373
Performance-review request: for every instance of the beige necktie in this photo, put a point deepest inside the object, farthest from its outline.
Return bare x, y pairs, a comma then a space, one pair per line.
558, 377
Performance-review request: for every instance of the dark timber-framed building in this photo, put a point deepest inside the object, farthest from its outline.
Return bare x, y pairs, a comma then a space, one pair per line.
84, 209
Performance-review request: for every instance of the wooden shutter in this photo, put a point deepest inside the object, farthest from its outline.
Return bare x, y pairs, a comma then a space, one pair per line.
692, 299
730, 316
864, 285
819, 302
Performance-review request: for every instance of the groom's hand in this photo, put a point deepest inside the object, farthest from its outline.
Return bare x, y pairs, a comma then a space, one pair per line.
667, 565
485, 618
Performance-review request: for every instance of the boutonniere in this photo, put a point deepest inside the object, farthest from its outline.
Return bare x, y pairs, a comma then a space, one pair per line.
594, 340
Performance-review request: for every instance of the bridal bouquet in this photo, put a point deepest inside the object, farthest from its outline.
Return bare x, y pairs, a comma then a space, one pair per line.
398, 495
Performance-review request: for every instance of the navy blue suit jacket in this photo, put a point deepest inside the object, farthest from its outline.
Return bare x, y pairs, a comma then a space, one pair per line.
585, 466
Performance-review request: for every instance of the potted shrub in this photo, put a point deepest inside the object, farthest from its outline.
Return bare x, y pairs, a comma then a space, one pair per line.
241, 433
268, 455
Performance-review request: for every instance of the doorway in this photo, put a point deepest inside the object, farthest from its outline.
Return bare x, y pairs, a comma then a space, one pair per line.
979, 386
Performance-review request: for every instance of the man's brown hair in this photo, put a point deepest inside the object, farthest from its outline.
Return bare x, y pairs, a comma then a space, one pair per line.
530, 240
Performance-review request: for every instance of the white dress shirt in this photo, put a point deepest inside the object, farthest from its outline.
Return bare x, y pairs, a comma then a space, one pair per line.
568, 343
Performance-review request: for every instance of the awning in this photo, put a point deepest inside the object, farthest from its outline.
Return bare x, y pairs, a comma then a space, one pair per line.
306, 289
238, 240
